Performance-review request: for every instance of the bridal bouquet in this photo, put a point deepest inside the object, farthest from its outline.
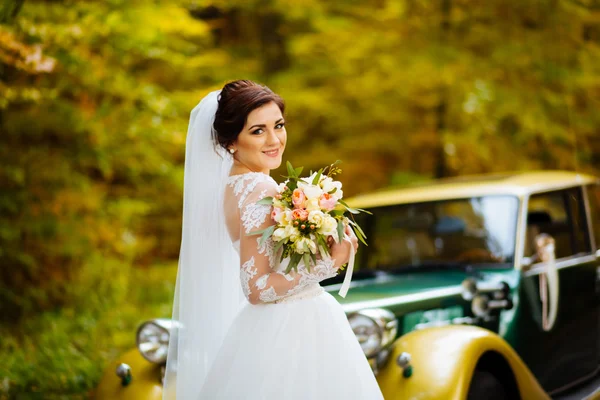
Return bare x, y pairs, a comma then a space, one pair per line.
307, 211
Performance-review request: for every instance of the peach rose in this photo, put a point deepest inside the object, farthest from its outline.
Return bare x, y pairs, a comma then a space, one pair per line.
298, 198
300, 213
327, 202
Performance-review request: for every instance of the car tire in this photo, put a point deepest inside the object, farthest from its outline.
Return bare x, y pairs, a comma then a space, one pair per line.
485, 386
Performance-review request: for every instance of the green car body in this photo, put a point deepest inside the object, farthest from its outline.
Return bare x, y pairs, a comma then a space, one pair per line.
446, 300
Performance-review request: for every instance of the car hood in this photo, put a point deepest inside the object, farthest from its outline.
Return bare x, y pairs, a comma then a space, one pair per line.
414, 288
392, 290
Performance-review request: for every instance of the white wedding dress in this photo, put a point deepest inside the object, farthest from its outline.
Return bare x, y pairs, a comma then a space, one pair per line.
292, 340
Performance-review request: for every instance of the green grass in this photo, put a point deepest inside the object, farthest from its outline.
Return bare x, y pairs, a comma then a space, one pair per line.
62, 354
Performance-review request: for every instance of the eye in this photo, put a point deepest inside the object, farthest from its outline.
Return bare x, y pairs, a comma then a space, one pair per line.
280, 125
257, 131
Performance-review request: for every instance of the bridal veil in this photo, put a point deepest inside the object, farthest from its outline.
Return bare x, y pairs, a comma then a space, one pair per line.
208, 293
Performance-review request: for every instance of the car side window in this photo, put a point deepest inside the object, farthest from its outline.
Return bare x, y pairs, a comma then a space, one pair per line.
593, 192
560, 214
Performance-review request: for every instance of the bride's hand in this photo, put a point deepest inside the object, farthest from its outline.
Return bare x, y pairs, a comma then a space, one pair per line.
340, 252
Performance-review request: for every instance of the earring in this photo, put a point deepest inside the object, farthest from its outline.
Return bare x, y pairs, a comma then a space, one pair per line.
232, 151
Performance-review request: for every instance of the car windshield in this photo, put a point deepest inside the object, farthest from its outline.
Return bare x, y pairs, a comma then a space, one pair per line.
479, 230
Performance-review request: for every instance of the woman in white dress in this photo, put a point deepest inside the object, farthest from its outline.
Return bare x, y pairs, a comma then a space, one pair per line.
284, 337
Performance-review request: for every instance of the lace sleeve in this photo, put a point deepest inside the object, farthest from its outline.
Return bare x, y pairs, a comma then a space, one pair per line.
261, 282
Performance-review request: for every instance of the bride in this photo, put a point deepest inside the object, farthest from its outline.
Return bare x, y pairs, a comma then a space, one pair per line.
244, 328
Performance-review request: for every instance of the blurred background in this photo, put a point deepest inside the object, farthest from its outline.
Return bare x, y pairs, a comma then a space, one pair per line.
95, 98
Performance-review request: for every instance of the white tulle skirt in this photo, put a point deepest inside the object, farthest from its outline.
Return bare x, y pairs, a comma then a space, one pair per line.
300, 349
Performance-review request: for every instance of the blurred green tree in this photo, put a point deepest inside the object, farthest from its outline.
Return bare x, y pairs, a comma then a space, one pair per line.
95, 99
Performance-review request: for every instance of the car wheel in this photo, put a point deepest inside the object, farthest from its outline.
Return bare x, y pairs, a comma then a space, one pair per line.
485, 385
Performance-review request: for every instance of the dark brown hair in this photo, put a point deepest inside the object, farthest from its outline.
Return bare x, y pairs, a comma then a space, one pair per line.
236, 100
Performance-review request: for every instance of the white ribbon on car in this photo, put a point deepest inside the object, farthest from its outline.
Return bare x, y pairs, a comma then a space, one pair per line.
549, 287
348, 278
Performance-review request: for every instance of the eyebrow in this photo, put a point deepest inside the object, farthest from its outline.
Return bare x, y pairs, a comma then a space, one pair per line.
263, 125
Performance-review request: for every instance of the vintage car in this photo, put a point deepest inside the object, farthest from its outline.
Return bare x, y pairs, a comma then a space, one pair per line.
483, 287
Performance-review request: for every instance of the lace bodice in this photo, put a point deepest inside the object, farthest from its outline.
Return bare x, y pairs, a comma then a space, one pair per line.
262, 277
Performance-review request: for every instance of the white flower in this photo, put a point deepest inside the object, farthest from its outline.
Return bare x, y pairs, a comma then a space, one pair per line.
277, 214
279, 234
281, 187
286, 233
329, 227
285, 217
305, 245
312, 205
329, 184
316, 217
293, 233
309, 179
310, 191
338, 194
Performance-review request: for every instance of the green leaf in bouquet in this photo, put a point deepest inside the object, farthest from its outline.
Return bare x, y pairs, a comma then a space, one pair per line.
359, 234
323, 244
294, 260
306, 259
266, 200
317, 177
298, 170
340, 230
340, 207
283, 255
292, 185
290, 169
337, 212
278, 246
313, 259
266, 235
350, 209
257, 232
354, 210
358, 230
332, 191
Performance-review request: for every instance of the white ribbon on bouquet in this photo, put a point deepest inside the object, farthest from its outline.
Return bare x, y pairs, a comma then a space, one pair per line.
348, 278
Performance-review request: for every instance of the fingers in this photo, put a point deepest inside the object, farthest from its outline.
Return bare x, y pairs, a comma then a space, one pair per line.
349, 235
330, 241
353, 239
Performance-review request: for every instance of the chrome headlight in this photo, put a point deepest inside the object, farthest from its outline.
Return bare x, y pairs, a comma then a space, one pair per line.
153, 339
374, 328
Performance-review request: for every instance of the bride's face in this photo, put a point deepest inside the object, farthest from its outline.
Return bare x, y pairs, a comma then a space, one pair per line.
261, 142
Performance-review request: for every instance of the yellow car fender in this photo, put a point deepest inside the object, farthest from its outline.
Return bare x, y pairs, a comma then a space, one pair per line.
444, 360
145, 383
